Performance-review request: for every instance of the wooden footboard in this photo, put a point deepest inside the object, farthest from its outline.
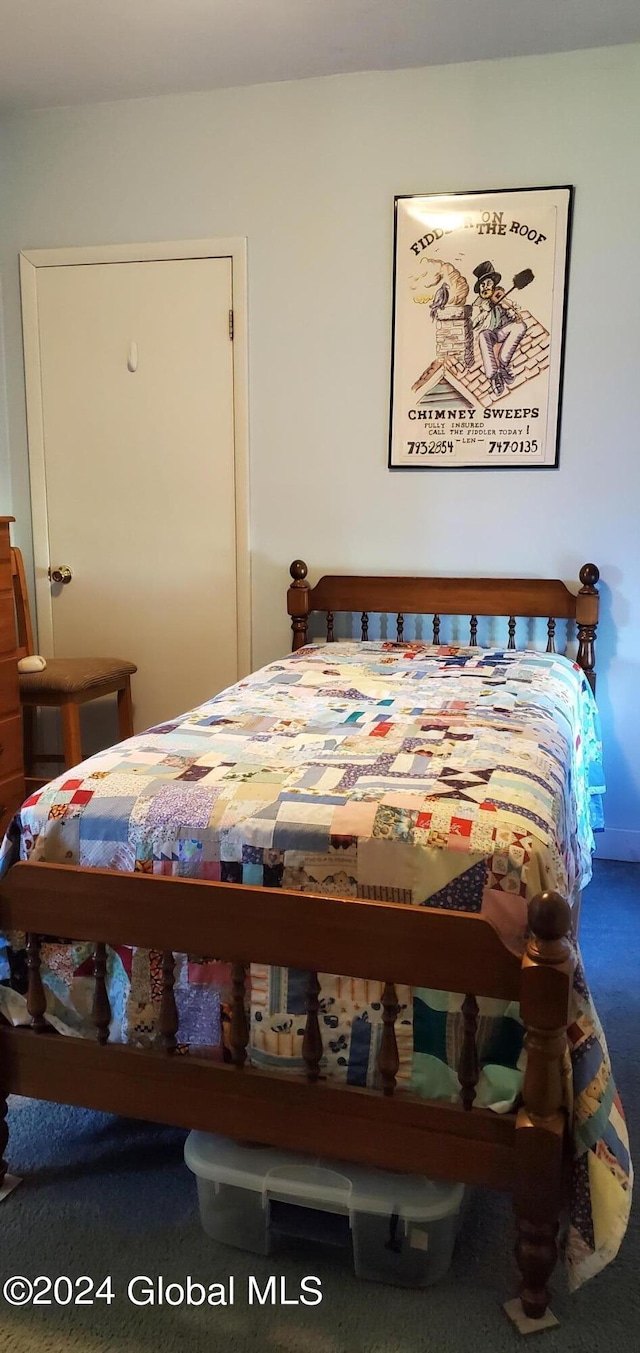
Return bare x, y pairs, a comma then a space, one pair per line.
417, 946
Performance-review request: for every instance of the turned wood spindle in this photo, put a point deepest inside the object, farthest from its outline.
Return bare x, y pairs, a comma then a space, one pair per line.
399, 627
473, 631
388, 1059
436, 629
469, 1066
551, 635
542, 1121
101, 1011
299, 628
36, 995
586, 652
587, 606
512, 632
329, 627
168, 1022
239, 1029
312, 1040
548, 950
298, 603
364, 626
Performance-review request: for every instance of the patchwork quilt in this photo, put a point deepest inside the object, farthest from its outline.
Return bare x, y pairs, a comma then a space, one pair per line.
451, 777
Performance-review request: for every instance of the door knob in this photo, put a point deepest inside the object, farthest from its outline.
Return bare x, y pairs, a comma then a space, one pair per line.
61, 574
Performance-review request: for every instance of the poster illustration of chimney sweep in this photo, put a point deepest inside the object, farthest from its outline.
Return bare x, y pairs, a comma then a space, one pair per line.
480, 284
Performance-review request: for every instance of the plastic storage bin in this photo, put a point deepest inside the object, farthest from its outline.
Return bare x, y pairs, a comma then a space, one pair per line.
402, 1228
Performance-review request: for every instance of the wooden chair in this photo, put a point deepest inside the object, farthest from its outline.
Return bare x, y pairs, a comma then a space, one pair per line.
64, 684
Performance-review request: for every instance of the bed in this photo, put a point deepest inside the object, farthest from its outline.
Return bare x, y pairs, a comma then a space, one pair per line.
219, 829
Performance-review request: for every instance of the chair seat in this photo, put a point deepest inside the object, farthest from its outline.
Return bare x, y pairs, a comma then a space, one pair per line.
70, 676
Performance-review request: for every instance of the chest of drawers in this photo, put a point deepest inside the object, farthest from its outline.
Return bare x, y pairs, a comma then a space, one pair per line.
11, 751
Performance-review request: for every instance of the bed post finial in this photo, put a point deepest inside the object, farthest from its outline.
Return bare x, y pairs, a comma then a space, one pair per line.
550, 921
298, 571
298, 603
587, 607
541, 1125
589, 576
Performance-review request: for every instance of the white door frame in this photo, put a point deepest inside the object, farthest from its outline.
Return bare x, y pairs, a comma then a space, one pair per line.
30, 260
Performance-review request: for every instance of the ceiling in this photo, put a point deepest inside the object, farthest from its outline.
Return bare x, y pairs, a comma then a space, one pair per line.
56, 52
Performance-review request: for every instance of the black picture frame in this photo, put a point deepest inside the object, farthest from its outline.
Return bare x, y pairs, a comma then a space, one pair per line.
477, 365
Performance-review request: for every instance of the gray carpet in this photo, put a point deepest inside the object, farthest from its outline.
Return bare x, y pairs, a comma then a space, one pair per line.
106, 1196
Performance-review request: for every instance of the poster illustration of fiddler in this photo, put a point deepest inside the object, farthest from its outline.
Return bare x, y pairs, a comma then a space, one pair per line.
480, 283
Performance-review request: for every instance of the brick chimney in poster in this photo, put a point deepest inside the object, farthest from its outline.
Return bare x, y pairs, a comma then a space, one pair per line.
454, 336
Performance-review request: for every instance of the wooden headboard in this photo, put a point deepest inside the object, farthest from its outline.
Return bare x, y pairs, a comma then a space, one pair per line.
531, 598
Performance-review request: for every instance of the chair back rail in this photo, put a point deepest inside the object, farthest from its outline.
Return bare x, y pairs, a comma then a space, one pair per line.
21, 598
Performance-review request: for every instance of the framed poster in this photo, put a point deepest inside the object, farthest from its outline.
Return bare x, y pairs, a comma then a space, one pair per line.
480, 284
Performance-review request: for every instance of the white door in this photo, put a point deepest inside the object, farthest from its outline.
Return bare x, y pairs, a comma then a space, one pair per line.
136, 377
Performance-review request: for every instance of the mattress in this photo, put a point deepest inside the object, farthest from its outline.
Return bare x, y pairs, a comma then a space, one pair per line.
447, 777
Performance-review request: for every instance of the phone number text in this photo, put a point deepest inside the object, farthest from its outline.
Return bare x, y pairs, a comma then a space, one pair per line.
429, 448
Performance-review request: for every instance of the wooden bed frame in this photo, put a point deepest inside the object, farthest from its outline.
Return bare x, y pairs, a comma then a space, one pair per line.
525, 1151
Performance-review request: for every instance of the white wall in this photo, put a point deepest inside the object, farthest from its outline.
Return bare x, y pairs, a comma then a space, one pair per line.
307, 171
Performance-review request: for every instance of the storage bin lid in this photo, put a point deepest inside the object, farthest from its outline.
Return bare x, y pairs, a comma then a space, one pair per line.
334, 1186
